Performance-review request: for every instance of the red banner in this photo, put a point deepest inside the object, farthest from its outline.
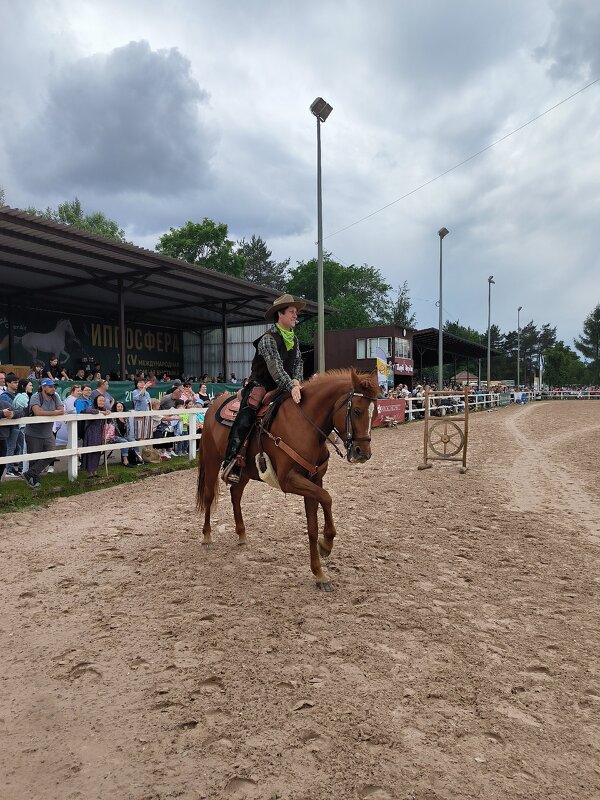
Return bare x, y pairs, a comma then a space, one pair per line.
389, 411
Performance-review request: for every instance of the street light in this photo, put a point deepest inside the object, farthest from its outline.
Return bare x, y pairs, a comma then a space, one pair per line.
519, 309
441, 233
489, 352
321, 111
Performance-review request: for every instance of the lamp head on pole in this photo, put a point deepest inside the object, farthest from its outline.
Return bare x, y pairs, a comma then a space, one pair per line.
491, 279
520, 308
321, 109
443, 232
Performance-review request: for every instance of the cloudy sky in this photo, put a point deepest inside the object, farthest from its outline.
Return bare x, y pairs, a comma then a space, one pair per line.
157, 112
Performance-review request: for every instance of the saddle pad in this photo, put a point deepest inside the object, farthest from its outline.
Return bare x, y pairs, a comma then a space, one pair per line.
228, 411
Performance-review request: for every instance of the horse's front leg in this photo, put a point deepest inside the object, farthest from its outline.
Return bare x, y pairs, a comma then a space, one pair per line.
329, 532
237, 490
313, 495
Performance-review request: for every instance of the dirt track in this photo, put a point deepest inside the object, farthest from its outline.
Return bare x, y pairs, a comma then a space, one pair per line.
457, 658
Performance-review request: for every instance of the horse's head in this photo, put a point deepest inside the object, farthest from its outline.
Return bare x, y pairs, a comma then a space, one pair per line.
353, 415
66, 326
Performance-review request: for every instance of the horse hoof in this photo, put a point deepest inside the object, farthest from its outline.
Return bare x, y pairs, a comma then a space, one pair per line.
322, 552
206, 544
325, 586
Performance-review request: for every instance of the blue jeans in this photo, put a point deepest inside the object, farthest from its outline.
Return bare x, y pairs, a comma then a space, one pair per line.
15, 445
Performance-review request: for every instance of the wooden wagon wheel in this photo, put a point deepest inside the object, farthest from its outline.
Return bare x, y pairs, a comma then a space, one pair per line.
447, 436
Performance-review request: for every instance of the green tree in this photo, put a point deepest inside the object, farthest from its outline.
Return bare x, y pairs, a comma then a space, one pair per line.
205, 244
401, 313
465, 332
588, 344
359, 294
259, 267
71, 213
563, 367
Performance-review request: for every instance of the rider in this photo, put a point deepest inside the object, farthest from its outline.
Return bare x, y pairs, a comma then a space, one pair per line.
277, 363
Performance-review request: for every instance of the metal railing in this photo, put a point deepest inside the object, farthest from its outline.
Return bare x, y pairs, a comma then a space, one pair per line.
73, 450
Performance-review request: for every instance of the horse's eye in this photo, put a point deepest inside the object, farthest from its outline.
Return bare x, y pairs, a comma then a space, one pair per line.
357, 411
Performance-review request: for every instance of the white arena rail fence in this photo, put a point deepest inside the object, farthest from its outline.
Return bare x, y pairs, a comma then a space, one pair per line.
572, 394
452, 403
414, 411
73, 450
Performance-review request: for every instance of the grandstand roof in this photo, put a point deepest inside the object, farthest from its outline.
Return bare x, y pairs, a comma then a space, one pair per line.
50, 265
425, 348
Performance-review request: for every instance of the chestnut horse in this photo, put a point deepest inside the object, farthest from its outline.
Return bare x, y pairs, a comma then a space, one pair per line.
342, 401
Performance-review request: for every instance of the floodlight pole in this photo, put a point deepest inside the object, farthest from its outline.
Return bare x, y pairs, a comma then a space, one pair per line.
489, 347
519, 309
441, 233
321, 111
320, 287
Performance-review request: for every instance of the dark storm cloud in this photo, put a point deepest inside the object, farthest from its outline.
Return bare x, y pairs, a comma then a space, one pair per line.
126, 121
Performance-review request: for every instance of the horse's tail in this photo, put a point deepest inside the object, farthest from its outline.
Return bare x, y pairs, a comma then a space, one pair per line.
201, 490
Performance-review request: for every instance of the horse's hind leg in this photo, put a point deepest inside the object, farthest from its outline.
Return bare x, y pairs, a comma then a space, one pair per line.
210, 493
237, 490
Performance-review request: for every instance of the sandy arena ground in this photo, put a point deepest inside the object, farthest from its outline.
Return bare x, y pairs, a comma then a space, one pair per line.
457, 657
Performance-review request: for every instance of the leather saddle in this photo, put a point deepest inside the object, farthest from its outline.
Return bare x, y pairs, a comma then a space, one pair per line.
228, 411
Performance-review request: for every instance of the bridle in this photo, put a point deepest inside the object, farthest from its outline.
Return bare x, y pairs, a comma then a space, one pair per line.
349, 438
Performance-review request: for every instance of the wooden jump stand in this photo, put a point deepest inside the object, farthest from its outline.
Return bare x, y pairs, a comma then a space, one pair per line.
443, 436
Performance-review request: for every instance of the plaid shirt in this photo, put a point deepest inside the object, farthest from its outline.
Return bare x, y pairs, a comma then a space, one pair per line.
267, 348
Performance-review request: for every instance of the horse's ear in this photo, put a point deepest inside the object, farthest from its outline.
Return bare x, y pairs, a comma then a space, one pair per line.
365, 380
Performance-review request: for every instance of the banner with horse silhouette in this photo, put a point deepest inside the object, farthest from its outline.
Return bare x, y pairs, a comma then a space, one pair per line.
82, 341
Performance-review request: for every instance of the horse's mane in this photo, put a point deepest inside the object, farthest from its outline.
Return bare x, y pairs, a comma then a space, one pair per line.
367, 379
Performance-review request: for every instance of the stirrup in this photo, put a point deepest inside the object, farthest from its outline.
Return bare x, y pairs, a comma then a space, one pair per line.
231, 473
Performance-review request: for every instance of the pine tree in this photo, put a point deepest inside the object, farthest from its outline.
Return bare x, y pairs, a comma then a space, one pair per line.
259, 267
588, 343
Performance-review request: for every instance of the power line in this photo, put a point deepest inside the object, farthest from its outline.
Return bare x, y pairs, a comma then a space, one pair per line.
466, 160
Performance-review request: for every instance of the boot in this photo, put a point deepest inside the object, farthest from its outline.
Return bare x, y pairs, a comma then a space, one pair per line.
232, 472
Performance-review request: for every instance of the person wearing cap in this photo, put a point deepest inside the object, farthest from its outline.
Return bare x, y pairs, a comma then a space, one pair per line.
39, 438
277, 364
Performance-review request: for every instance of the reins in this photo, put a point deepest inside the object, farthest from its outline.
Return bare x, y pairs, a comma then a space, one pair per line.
348, 440
323, 434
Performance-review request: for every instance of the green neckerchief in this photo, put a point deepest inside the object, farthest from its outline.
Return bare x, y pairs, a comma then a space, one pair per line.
287, 336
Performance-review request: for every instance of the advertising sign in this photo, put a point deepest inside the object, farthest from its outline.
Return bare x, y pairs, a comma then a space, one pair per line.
381, 372
403, 366
389, 410
80, 341
122, 390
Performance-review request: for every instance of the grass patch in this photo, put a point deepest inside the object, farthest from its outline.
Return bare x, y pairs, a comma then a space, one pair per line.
15, 494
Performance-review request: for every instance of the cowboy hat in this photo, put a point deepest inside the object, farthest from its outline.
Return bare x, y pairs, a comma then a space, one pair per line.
283, 302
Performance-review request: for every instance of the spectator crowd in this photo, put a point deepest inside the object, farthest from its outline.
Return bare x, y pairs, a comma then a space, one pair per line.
18, 400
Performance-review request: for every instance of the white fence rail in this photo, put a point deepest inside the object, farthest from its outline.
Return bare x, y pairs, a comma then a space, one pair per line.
73, 450
452, 403
414, 410
570, 395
